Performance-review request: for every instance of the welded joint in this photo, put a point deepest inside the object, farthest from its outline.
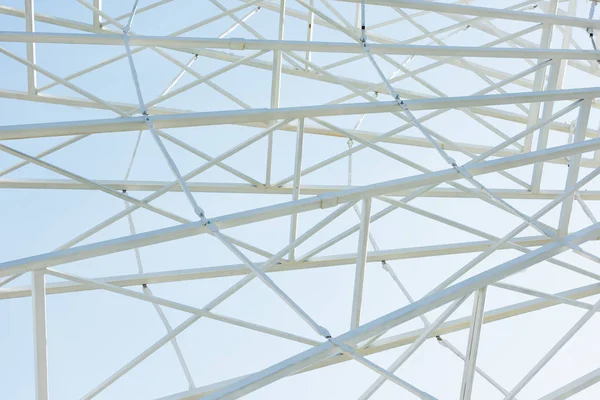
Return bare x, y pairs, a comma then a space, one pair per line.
212, 227
328, 200
324, 332
463, 172
590, 30
237, 44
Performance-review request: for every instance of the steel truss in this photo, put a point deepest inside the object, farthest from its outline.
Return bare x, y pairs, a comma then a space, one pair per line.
477, 121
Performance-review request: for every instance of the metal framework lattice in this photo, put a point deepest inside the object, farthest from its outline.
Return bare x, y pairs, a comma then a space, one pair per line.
412, 183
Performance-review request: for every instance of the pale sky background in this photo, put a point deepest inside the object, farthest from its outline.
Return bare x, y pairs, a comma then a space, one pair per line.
92, 334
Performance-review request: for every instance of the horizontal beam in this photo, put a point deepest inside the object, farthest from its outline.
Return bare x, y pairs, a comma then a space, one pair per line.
244, 188
240, 269
407, 140
65, 23
302, 46
325, 200
263, 115
453, 8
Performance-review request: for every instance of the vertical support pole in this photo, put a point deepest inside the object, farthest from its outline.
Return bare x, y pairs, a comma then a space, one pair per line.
30, 27
97, 21
309, 34
538, 168
38, 286
567, 35
473, 344
597, 152
296, 187
538, 80
361, 262
567, 205
275, 87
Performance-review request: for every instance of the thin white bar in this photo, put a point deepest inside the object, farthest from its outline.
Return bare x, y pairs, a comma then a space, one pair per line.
310, 29
538, 82
545, 130
146, 353
383, 372
409, 337
129, 108
485, 376
555, 349
574, 387
456, 325
307, 358
43, 154
174, 342
265, 115
38, 283
260, 274
110, 39
483, 12
169, 186
30, 27
311, 203
123, 55
64, 22
244, 188
141, 10
584, 206
92, 184
315, 262
361, 262
276, 75
574, 165
275, 89
237, 24
537, 293
71, 86
296, 184
473, 344
182, 307
425, 334
97, 18
10, 279
204, 79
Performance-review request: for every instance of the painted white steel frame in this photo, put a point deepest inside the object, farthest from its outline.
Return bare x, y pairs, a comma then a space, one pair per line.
541, 87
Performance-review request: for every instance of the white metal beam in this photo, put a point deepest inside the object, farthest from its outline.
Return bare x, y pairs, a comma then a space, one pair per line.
63, 22
38, 299
307, 358
296, 183
545, 130
260, 214
264, 115
30, 27
97, 18
409, 337
302, 46
574, 165
484, 12
552, 352
315, 262
414, 346
361, 261
574, 387
473, 344
244, 188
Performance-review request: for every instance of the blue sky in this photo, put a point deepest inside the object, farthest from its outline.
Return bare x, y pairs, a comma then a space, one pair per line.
92, 334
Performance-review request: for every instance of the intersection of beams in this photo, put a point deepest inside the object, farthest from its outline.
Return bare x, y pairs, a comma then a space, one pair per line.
530, 122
